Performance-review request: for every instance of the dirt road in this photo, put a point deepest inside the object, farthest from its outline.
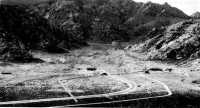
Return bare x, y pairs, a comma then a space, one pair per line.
115, 62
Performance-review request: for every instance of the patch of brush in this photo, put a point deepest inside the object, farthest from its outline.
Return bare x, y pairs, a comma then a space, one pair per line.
155, 69
196, 81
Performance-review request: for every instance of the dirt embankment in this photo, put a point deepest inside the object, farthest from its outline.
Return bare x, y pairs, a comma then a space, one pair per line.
177, 42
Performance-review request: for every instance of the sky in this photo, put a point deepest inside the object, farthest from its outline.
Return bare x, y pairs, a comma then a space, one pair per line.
187, 6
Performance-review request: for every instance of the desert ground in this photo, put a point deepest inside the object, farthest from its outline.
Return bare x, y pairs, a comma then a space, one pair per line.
181, 79
106, 53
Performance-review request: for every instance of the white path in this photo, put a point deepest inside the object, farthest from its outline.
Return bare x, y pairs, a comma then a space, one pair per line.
131, 87
169, 93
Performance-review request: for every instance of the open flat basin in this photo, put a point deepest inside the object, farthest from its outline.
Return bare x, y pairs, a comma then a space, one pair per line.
60, 87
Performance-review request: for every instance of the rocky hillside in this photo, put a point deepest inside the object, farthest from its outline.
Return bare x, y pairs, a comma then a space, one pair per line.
62, 24
24, 2
109, 20
176, 42
150, 11
165, 10
104, 20
150, 15
23, 29
196, 15
11, 49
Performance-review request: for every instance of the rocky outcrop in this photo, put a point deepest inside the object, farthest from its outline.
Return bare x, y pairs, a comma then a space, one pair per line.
150, 15
148, 12
157, 10
196, 15
178, 41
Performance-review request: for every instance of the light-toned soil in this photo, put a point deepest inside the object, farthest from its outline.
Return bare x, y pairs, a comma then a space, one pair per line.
180, 79
51, 87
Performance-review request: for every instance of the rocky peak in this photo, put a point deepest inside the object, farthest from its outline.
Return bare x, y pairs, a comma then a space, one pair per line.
196, 15
158, 10
166, 4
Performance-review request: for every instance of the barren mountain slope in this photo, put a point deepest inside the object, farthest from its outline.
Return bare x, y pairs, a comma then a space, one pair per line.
152, 11
177, 42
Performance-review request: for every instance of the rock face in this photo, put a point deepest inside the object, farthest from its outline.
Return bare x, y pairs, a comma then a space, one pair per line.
196, 15
176, 42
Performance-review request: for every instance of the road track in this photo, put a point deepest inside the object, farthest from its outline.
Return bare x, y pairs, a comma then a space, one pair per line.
131, 86
130, 89
169, 93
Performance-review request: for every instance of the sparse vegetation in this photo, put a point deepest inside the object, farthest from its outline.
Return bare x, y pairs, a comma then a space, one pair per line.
32, 89
45, 88
62, 25
64, 69
196, 81
65, 24
25, 29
